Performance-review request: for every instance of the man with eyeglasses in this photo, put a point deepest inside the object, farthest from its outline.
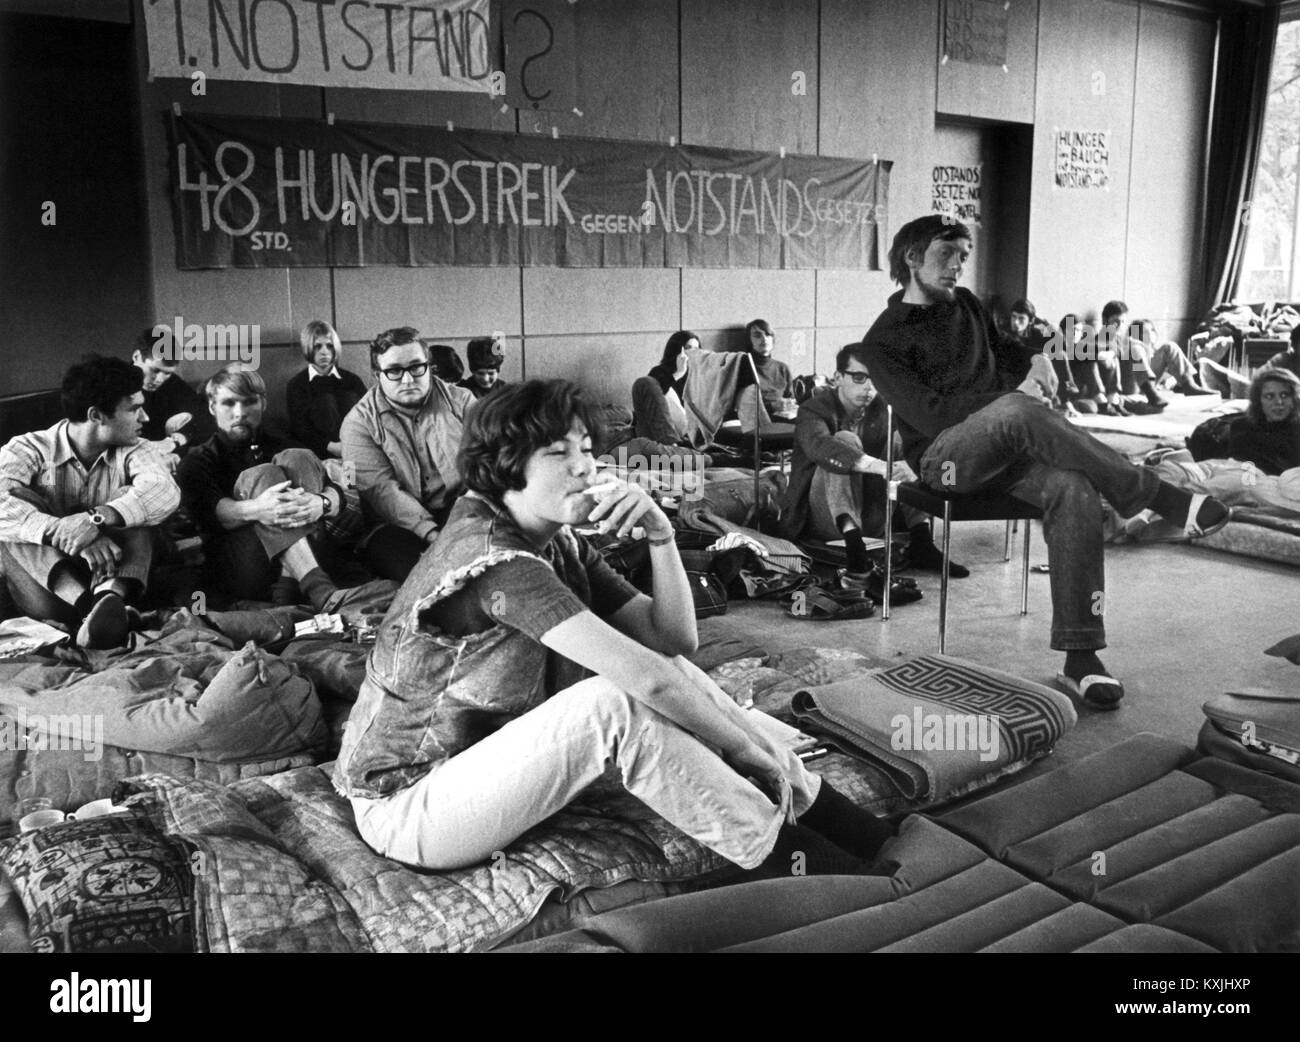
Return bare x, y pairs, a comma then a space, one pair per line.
401, 440
837, 475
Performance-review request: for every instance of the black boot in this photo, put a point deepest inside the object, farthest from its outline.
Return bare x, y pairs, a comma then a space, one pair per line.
802, 851
845, 824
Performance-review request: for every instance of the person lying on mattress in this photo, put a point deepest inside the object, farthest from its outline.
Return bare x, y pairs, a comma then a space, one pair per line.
1263, 464
515, 666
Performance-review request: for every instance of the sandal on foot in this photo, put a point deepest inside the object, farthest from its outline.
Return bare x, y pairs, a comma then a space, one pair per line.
1096, 689
825, 605
1192, 529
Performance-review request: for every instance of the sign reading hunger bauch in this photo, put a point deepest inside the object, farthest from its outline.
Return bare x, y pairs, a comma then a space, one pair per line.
258, 193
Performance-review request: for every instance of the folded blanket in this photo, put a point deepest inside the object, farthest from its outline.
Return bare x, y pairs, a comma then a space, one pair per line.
937, 726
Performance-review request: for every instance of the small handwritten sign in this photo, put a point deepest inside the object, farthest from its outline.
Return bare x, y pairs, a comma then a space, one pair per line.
1082, 158
975, 31
955, 191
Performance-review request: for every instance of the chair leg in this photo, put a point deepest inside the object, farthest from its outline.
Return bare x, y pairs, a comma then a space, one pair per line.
943, 580
889, 543
1024, 572
1006, 543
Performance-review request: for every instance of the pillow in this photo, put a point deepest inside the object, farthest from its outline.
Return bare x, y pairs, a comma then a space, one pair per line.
107, 884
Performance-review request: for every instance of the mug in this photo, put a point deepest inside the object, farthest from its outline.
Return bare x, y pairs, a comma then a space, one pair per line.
39, 819
95, 809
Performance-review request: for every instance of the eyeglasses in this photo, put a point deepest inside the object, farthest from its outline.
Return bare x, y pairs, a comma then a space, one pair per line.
857, 378
395, 373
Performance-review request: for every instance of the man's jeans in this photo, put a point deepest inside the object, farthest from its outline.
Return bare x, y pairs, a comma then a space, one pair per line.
861, 496
482, 799
1019, 446
244, 562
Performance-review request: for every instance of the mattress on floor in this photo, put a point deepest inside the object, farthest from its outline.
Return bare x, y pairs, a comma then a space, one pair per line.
1144, 847
1257, 533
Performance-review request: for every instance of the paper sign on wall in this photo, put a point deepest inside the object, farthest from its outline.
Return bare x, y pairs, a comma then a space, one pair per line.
1082, 158
401, 44
955, 191
975, 31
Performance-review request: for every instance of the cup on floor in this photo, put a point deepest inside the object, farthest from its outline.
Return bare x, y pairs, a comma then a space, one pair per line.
39, 819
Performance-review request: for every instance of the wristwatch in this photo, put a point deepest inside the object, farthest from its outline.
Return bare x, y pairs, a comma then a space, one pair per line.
98, 517
326, 501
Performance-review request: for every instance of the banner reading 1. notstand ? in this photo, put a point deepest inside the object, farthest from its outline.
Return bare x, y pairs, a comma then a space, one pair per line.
300, 193
401, 44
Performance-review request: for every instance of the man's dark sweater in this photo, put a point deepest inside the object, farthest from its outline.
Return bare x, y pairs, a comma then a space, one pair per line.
172, 397
208, 473
937, 364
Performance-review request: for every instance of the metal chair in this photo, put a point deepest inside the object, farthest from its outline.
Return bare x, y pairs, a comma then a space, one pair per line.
978, 506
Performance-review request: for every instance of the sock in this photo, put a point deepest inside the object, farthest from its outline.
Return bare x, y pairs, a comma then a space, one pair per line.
855, 550
800, 847
920, 534
317, 587
923, 554
845, 824
1172, 504
1079, 664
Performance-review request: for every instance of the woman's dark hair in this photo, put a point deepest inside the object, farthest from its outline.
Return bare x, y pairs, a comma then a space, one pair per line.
503, 430
100, 383
758, 323
446, 364
676, 343
1255, 410
394, 338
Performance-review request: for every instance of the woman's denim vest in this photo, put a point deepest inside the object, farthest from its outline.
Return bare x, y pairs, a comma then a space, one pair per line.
426, 695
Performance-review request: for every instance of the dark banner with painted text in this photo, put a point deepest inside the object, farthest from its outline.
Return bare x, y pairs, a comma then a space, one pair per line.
254, 193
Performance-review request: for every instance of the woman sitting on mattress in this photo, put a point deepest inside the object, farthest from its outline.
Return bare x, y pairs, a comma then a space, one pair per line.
1264, 449
515, 665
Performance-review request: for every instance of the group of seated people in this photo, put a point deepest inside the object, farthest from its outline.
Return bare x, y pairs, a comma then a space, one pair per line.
83, 504
1116, 370
515, 666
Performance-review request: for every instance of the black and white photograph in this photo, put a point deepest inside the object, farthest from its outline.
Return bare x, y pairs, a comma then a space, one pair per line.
652, 477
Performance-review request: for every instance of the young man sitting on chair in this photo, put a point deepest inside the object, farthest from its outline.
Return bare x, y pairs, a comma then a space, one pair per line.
837, 476
971, 422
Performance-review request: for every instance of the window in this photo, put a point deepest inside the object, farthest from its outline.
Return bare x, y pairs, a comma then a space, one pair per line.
1272, 264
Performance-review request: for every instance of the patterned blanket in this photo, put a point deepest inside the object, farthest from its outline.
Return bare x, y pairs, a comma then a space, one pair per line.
280, 867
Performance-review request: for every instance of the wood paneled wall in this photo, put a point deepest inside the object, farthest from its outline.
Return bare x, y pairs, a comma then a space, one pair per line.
719, 72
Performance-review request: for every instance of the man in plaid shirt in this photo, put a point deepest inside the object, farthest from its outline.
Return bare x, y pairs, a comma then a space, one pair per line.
79, 506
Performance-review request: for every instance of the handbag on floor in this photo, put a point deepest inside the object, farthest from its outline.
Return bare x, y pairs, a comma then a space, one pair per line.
1257, 727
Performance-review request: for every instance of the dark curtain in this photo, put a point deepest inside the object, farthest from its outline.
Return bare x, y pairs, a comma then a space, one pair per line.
1241, 76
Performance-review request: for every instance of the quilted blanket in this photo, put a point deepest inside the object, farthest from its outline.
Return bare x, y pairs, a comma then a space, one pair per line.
280, 867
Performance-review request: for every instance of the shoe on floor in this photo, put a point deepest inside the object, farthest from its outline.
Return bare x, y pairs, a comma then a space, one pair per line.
925, 557
1191, 390
106, 625
902, 590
